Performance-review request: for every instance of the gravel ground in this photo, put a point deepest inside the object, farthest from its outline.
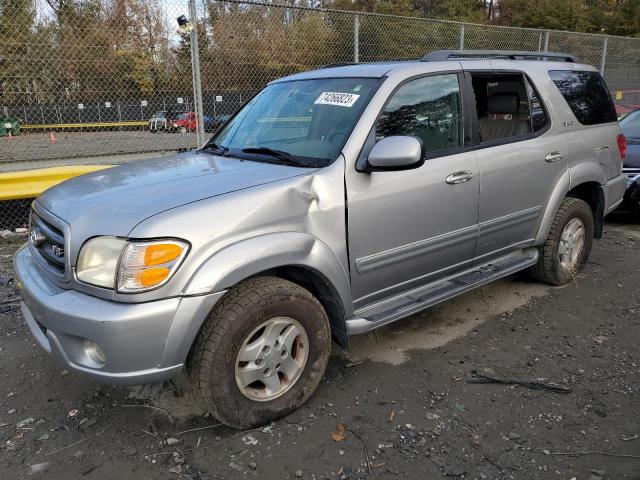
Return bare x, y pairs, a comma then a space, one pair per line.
37, 150
399, 405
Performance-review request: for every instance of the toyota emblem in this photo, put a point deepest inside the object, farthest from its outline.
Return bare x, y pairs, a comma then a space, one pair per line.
36, 237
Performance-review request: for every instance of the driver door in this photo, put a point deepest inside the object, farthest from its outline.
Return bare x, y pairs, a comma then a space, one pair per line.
408, 228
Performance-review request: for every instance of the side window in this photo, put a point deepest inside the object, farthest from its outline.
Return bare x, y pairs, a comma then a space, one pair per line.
506, 106
428, 108
587, 95
537, 115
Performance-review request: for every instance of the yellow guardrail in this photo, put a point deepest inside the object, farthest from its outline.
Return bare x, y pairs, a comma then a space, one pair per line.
31, 183
51, 126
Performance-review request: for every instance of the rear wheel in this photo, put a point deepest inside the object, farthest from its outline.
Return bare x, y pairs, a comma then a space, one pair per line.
568, 244
262, 352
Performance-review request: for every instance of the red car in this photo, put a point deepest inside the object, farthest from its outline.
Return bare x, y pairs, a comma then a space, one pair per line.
183, 122
186, 122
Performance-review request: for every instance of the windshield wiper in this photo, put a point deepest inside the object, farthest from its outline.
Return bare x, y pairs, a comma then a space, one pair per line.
285, 157
219, 149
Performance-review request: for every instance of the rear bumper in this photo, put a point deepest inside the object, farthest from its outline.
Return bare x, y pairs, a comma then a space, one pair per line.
614, 193
142, 343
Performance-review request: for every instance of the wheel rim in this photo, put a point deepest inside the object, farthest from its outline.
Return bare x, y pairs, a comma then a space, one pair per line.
271, 359
571, 243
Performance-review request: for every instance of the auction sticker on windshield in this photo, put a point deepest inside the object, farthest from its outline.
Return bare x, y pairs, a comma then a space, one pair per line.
337, 98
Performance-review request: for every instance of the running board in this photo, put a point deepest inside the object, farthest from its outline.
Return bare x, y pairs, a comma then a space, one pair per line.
388, 311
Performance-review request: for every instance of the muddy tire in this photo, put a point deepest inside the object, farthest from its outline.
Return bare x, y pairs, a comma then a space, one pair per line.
568, 244
261, 353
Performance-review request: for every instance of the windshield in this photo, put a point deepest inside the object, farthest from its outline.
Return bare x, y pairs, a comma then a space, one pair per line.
307, 121
631, 125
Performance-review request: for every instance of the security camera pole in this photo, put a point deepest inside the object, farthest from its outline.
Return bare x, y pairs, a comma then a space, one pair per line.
191, 27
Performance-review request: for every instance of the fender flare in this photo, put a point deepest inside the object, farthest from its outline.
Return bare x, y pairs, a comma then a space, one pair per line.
583, 173
249, 257
587, 172
557, 195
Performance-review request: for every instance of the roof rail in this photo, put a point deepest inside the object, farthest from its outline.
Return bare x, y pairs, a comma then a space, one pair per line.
442, 55
342, 64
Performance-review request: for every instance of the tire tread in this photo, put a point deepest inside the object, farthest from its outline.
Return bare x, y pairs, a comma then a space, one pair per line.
225, 313
544, 270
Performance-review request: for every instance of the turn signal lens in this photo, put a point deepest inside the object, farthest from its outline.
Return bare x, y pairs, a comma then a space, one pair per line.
153, 276
161, 253
149, 264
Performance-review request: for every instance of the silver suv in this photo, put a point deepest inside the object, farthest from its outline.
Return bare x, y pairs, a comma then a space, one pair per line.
334, 202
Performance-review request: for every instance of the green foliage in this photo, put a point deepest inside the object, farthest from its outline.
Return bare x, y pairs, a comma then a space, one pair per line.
613, 17
105, 50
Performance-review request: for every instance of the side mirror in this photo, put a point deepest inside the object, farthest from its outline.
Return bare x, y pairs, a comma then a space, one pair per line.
396, 153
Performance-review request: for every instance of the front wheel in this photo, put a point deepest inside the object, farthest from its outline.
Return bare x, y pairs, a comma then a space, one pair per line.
568, 244
262, 352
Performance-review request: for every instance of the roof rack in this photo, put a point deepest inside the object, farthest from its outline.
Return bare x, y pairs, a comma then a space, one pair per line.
442, 55
342, 64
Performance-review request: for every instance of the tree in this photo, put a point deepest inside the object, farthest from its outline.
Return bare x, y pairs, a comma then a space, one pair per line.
17, 32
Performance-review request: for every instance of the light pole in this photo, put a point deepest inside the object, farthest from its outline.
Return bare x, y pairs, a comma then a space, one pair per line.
186, 27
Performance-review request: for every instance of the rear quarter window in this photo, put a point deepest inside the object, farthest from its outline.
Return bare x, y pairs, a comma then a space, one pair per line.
587, 96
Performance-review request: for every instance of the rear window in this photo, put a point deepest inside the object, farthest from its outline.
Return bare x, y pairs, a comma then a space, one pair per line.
587, 95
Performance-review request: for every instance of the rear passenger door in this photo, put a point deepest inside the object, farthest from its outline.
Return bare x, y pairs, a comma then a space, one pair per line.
519, 157
592, 137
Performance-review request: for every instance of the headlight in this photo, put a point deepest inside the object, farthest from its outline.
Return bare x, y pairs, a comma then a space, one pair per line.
98, 261
132, 266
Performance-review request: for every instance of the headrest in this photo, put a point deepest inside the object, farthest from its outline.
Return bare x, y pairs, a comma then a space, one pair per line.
504, 102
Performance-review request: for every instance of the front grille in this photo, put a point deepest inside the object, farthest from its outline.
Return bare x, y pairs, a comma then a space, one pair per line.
48, 242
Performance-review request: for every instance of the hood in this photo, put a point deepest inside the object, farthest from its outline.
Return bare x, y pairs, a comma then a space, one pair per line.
633, 153
113, 201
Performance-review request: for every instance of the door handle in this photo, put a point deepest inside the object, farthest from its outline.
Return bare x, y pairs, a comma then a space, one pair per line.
459, 177
553, 157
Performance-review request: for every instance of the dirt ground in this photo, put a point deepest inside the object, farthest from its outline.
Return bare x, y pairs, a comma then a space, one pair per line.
399, 405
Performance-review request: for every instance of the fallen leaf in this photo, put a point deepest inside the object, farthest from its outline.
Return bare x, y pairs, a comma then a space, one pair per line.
342, 427
392, 416
338, 436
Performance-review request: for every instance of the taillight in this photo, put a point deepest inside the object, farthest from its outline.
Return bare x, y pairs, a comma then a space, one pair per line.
622, 146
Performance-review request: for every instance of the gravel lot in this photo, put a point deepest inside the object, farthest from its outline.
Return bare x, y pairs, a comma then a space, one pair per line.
399, 405
37, 150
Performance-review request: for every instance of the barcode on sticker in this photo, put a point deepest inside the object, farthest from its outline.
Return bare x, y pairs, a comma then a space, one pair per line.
337, 98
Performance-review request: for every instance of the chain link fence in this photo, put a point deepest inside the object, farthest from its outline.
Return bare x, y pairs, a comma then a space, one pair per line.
110, 81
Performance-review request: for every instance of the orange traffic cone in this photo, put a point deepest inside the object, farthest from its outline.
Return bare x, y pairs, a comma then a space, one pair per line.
52, 137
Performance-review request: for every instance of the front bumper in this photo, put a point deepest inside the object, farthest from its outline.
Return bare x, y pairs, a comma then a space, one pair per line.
143, 342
